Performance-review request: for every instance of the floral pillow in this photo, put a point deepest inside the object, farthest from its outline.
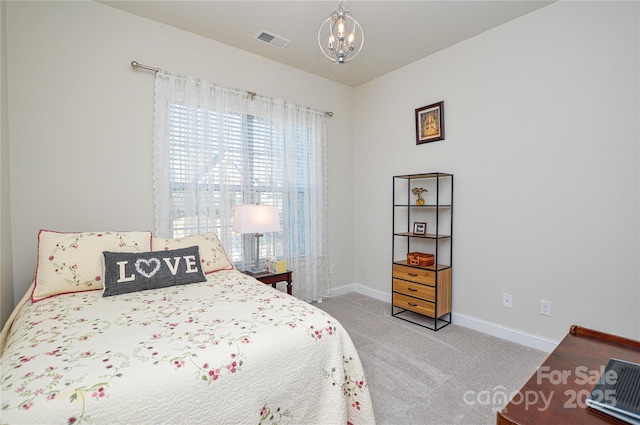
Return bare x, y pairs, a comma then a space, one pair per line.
212, 254
72, 262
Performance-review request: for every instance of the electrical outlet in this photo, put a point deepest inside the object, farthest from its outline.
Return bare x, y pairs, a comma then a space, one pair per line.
332, 269
545, 307
507, 300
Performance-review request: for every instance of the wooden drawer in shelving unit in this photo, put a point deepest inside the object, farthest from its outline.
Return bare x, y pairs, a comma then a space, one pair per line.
414, 304
414, 274
414, 289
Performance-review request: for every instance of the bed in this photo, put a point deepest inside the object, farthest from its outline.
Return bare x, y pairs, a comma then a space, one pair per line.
227, 349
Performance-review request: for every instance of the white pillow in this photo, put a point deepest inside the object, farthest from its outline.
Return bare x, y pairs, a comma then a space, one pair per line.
212, 255
72, 262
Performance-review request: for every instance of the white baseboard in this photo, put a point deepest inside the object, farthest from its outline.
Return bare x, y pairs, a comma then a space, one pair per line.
510, 334
361, 289
504, 332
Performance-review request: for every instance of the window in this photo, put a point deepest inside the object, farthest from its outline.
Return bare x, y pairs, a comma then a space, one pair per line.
214, 149
235, 149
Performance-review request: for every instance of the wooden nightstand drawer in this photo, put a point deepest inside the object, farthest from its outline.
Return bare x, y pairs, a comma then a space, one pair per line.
414, 274
414, 289
419, 306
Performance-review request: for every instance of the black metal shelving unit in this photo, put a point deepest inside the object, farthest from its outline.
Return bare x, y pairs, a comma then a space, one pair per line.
422, 295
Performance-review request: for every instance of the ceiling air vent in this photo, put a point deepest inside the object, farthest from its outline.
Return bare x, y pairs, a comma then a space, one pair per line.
272, 39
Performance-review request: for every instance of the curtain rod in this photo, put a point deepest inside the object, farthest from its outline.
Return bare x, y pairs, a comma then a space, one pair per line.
137, 65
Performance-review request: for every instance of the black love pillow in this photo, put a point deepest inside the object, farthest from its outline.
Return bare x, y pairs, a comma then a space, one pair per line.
126, 272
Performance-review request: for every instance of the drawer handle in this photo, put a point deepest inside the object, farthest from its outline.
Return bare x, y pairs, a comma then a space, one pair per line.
412, 289
413, 274
413, 305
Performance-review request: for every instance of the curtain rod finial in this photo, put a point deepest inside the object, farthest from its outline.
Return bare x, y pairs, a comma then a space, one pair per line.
135, 64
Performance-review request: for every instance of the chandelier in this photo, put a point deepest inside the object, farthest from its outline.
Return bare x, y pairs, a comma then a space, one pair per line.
340, 37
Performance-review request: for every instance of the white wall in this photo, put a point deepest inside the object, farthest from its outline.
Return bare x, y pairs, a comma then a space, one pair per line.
81, 120
542, 133
6, 276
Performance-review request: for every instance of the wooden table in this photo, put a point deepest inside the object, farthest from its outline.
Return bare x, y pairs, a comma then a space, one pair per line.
556, 392
273, 278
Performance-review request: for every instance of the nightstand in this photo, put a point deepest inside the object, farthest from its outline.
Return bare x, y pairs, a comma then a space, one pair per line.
273, 278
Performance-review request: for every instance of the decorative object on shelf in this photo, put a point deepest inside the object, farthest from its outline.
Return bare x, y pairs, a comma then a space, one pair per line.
418, 191
419, 228
256, 219
430, 123
340, 37
420, 259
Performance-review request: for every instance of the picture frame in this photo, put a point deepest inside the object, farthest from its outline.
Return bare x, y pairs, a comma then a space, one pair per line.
419, 228
430, 123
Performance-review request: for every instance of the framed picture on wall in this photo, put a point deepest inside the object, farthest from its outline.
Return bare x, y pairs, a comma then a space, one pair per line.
430, 123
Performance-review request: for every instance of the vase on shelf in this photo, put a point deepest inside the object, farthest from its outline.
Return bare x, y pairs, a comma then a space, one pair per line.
418, 192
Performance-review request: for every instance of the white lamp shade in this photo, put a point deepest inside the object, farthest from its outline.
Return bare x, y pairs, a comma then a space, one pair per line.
256, 219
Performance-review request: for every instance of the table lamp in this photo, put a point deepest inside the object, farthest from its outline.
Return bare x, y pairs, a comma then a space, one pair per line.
256, 219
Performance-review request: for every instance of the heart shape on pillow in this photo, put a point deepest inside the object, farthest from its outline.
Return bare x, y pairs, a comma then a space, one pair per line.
148, 263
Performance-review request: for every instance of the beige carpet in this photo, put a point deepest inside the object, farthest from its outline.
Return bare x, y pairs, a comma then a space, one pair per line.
418, 376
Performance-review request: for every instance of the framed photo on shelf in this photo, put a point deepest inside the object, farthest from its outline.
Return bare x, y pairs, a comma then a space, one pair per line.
419, 228
430, 123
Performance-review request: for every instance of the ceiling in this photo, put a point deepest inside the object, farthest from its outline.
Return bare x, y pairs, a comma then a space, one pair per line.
396, 32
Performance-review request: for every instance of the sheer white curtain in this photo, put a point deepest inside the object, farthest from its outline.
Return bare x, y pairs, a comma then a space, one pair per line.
216, 147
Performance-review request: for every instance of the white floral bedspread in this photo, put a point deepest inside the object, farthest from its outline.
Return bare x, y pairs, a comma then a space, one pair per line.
227, 351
